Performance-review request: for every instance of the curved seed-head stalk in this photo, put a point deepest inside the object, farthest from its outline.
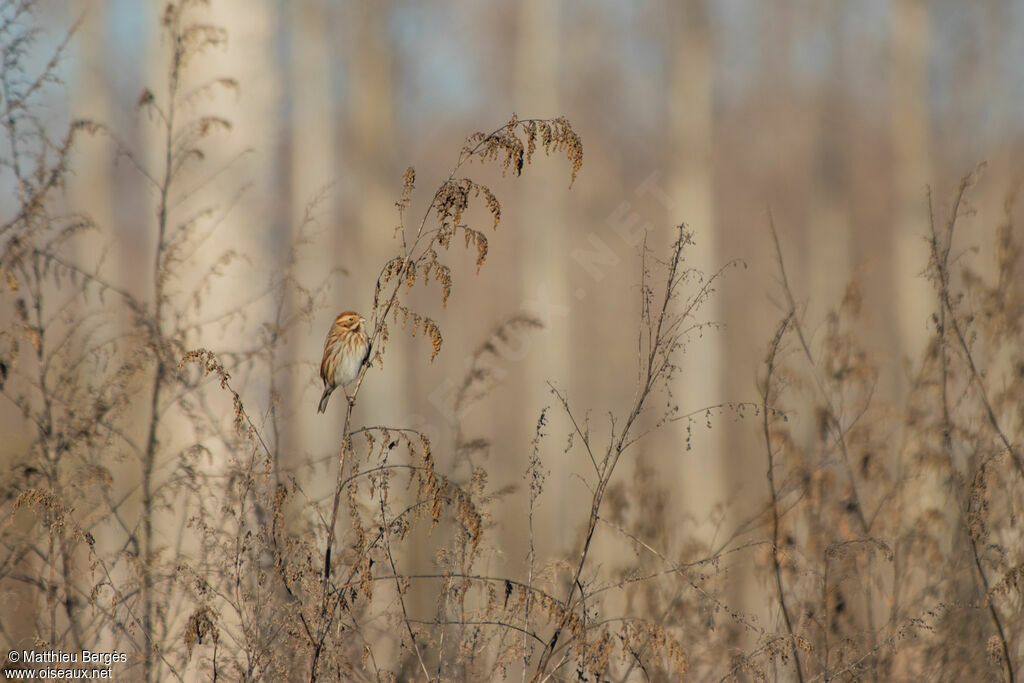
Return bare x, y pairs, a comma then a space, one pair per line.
515, 144
766, 413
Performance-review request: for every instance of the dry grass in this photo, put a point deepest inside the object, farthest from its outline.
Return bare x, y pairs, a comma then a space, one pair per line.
149, 516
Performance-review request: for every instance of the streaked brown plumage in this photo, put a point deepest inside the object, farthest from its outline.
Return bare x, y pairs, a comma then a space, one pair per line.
346, 349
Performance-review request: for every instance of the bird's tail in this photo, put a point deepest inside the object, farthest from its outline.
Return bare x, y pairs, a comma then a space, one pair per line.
323, 400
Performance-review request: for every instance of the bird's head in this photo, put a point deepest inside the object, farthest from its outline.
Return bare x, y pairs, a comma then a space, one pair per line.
350, 320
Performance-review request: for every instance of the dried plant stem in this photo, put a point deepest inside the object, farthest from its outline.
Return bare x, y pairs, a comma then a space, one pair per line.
157, 342
766, 411
940, 248
832, 415
832, 418
399, 590
322, 623
940, 259
535, 476
664, 336
529, 598
35, 181
412, 254
993, 613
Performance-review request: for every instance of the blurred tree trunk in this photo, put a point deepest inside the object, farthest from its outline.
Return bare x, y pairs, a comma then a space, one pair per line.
691, 132
92, 99
305, 161
828, 219
363, 237
910, 135
370, 120
311, 156
707, 474
912, 166
282, 214
543, 240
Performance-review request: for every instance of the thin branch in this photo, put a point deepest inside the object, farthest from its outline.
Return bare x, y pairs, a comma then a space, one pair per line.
766, 428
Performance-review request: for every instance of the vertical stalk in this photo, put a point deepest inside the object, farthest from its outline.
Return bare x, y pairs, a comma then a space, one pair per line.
776, 565
157, 347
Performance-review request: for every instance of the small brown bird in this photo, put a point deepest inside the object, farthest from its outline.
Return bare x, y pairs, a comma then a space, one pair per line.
346, 349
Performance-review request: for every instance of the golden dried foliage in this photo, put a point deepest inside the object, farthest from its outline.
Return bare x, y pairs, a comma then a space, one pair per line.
887, 546
419, 257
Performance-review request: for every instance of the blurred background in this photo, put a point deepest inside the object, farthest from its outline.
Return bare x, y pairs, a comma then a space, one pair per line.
831, 117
